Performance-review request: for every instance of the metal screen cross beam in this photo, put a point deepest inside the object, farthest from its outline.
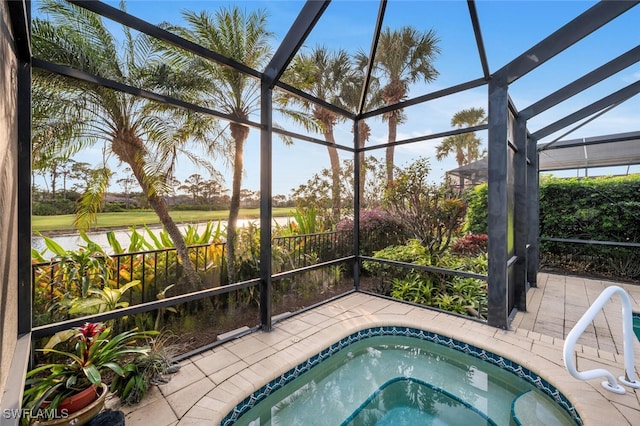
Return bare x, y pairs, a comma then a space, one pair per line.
612, 99
304, 23
574, 31
605, 71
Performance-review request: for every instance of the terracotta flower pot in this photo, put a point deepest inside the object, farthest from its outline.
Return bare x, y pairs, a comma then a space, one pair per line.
80, 400
83, 415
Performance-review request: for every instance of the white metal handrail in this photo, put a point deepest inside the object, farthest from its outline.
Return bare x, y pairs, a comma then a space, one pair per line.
627, 336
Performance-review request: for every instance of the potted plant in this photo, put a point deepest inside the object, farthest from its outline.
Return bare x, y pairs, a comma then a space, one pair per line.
52, 390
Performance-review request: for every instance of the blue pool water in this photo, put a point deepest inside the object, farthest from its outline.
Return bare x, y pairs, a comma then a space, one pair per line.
636, 324
397, 380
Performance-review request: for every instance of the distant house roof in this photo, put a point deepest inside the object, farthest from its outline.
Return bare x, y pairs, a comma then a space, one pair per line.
620, 149
476, 172
110, 198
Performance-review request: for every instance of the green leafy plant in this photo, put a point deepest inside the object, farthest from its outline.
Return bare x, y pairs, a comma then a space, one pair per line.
306, 221
411, 252
79, 269
93, 352
101, 300
601, 209
414, 288
453, 293
145, 370
449, 302
89, 280
68, 275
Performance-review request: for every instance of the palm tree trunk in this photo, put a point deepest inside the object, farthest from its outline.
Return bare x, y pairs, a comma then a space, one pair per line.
363, 169
129, 150
334, 160
393, 128
159, 205
239, 134
328, 120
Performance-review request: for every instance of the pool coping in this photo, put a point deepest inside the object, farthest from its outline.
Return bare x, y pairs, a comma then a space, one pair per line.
211, 384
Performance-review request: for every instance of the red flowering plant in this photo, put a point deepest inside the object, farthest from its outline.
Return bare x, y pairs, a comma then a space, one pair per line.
94, 352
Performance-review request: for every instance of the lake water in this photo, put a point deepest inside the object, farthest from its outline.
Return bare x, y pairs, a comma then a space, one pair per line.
72, 241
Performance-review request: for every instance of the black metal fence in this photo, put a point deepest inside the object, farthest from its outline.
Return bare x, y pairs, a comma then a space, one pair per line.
62, 287
309, 249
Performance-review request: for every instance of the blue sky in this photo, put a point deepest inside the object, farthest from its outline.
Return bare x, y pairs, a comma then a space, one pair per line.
509, 28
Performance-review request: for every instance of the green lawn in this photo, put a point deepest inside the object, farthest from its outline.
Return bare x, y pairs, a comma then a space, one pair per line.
125, 219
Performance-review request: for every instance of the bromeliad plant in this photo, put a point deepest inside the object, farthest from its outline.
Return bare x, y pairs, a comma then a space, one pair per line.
94, 351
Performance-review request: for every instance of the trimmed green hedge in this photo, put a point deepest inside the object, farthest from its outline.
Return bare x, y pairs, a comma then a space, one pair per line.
477, 201
602, 208
599, 208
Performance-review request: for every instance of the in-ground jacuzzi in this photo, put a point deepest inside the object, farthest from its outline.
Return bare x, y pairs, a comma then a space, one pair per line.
401, 375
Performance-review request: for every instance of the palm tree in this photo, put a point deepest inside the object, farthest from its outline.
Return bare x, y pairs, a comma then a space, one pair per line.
243, 37
134, 130
349, 99
403, 57
329, 71
467, 145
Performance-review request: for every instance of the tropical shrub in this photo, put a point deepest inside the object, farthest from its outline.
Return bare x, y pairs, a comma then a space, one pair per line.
411, 252
69, 275
88, 280
463, 295
146, 369
94, 351
414, 288
101, 300
431, 214
247, 253
603, 208
471, 244
600, 208
306, 221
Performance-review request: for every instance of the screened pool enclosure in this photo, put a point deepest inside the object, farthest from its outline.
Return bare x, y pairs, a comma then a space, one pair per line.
520, 128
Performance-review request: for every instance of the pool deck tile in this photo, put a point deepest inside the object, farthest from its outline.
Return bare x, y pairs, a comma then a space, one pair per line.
189, 374
183, 400
213, 359
158, 413
211, 384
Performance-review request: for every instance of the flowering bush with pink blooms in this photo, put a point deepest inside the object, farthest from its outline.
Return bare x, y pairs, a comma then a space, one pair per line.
378, 229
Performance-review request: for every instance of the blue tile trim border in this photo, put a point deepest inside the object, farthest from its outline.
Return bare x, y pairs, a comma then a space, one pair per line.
504, 363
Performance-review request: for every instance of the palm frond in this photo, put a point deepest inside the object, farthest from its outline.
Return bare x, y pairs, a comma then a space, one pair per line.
88, 31
91, 201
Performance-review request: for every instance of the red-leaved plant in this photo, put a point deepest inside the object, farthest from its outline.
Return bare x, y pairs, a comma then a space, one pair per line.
94, 352
471, 244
